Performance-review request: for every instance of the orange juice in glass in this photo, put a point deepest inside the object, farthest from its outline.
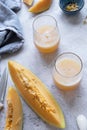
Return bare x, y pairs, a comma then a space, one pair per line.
67, 72
45, 33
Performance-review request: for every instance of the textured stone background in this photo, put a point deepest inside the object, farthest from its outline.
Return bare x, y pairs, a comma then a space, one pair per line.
73, 39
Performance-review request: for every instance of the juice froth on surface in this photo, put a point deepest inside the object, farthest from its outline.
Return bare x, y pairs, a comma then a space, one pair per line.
68, 67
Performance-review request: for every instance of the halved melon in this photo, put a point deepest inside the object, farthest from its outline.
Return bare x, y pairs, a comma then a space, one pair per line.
14, 112
36, 95
40, 6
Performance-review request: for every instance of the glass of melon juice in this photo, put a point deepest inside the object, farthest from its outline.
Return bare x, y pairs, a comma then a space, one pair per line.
46, 34
67, 72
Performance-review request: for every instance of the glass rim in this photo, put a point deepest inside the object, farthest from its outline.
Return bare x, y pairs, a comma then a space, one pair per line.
71, 54
47, 16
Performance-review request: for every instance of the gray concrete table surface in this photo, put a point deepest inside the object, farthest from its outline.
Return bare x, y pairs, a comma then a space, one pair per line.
73, 39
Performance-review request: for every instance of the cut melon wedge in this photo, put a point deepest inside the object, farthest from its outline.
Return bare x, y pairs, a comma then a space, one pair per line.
36, 95
40, 6
14, 112
28, 2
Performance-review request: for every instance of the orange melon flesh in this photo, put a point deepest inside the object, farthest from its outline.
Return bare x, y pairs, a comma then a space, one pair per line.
28, 2
40, 6
14, 112
36, 95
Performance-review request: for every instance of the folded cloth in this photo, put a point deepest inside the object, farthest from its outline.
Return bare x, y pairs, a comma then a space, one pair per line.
11, 37
15, 5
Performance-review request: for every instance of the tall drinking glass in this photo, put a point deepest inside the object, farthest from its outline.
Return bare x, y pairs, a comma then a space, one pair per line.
46, 34
67, 72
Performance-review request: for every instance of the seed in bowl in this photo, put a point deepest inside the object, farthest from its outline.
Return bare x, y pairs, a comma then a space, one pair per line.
72, 7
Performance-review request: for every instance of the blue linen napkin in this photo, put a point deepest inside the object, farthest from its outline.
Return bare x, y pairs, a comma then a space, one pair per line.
11, 36
15, 5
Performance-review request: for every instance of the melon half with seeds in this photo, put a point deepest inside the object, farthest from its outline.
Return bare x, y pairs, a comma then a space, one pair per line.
36, 94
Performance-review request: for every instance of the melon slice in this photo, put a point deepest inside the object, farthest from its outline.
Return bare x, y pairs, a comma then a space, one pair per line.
28, 2
14, 112
36, 95
40, 6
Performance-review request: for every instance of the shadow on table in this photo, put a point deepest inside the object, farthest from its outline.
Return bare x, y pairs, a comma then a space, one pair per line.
70, 96
49, 58
72, 19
